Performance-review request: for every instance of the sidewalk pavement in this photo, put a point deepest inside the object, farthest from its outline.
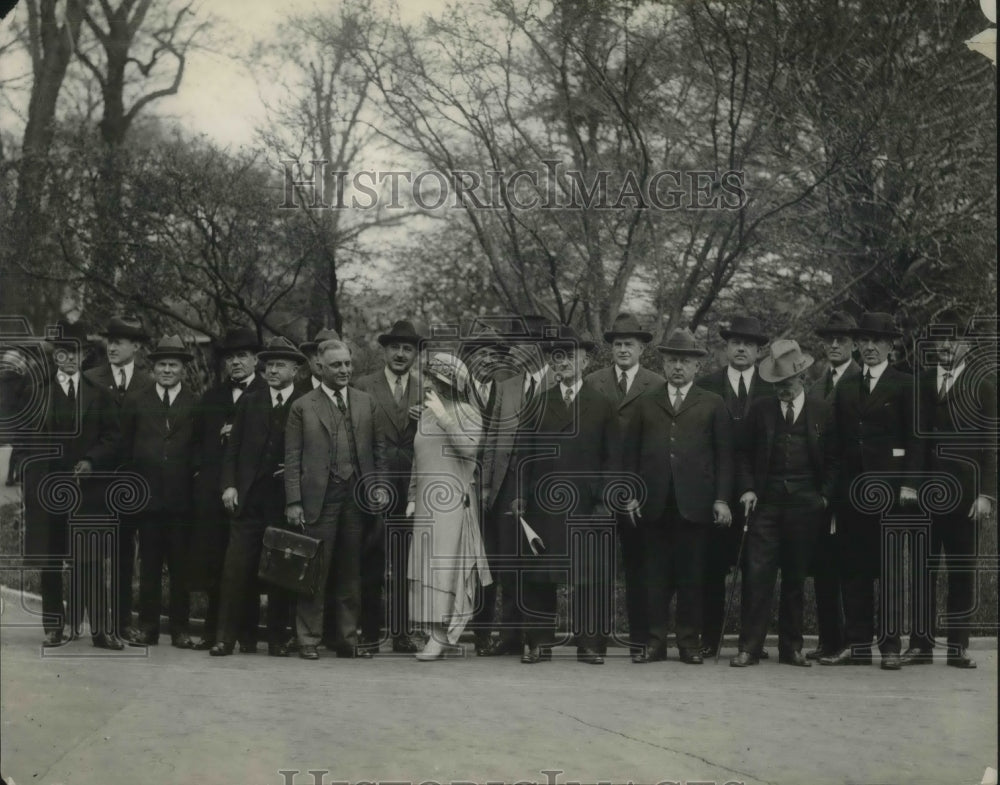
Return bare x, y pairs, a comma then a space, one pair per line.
162, 715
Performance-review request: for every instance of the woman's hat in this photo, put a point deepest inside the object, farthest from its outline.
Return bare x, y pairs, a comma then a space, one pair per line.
449, 369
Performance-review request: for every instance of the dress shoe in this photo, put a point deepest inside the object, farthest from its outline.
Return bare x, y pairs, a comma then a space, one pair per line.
763, 655
277, 650
136, 637
708, 652
308, 652
588, 656
404, 644
221, 650
53, 638
246, 647
106, 640
818, 652
961, 659
649, 654
292, 644
354, 653
181, 640
744, 660
532, 654
891, 662
844, 657
691, 656
205, 644
796, 658
483, 644
917, 656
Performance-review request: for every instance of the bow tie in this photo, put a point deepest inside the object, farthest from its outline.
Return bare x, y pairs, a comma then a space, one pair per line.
243, 384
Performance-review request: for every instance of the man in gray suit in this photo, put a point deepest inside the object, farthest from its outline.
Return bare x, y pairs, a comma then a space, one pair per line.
838, 341
622, 384
334, 453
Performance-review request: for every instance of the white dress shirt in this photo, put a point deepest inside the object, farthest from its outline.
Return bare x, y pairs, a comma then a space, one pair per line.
64, 382
876, 372
116, 373
797, 403
629, 376
954, 375
839, 371
734, 378
172, 392
286, 393
573, 389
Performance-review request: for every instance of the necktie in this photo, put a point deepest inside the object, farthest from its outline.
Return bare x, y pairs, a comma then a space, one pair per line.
741, 392
866, 383
622, 385
121, 381
829, 382
166, 407
70, 390
678, 398
789, 415
531, 390
278, 400
943, 389
342, 405
568, 396
397, 390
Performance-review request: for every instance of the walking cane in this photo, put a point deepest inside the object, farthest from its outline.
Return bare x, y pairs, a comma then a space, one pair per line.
732, 589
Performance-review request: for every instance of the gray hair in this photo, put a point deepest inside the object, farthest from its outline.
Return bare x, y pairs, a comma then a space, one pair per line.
332, 345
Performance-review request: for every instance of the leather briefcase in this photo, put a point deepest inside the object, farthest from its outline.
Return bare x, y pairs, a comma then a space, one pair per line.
291, 560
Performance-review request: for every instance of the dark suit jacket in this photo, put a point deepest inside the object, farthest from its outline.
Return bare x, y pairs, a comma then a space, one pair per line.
397, 425
753, 462
954, 434
696, 443
243, 462
818, 387
605, 381
96, 438
866, 430
587, 443
104, 378
312, 420
167, 459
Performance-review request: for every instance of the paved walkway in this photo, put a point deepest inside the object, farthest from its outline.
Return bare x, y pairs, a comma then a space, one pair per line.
168, 716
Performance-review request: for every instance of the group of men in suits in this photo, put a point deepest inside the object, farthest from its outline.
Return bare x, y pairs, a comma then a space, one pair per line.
758, 454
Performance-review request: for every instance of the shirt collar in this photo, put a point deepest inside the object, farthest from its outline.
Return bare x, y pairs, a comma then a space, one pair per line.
315, 382
64, 380
574, 388
734, 377
876, 371
129, 369
672, 391
286, 393
953, 371
331, 393
840, 370
390, 377
797, 403
172, 392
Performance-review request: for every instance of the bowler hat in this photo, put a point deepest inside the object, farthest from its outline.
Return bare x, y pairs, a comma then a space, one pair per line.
239, 338
744, 327
70, 334
171, 346
786, 360
281, 349
625, 326
839, 323
682, 341
125, 327
876, 323
326, 334
401, 332
565, 337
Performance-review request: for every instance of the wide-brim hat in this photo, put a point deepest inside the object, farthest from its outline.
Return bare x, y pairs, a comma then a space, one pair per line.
401, 332
238, 339
839, 323
480, 337
326, 334
682, 341
626, 325
171, 346
70, 334
786, 360
745, 327
448, 368
280, 349
564, 336
877, 323
125, 327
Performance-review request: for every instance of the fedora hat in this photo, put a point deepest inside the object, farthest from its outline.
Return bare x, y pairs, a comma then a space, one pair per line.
565, 336
239, 338
70, 334
626, 325
526, 327
401, 332
280, 349
786, 360
326, 334
682, 341
838, 323
480, 336
171, 346
951, 318
744, 327
877, 323
125, 327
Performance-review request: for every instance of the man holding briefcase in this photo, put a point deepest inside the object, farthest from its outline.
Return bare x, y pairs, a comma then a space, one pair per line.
253, 492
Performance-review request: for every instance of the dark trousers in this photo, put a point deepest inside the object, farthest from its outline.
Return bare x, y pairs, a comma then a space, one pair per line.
164, 538
636, 594
88, 592
384, 589
860, 538
826, 584
720, 554
781, 536
239, 606
953, 539
510, 621
125, 572
340, 526
675, 560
